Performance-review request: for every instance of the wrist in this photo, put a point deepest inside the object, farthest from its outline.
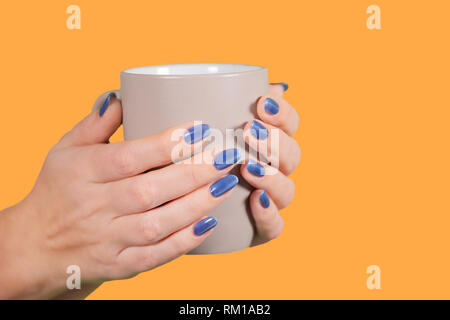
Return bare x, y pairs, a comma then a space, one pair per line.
25, 272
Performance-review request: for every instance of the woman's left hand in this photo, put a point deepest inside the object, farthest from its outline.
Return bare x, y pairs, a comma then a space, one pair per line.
271, 136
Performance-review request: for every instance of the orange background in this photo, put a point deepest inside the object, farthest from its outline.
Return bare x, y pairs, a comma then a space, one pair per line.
373, 183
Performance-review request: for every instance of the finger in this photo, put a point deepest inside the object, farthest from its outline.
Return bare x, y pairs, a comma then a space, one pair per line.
282, 151
154, 225
277, 112
97, 127
262, 176
128, 158
278, 88
139, 259
149, 190
269, 224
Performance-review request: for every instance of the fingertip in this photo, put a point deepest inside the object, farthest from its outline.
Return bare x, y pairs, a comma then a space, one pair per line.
111, 108
105, 104
109, 120
264, 200
278, 88
261, 215
268, 221
195, 131
205, 226
255, 199
283, 85
261, 199
270, 109
95, 128
221, 188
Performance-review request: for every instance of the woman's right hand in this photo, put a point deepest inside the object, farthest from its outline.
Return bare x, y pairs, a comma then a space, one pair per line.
95, 206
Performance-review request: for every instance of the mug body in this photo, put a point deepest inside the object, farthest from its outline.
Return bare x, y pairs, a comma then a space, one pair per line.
224, 96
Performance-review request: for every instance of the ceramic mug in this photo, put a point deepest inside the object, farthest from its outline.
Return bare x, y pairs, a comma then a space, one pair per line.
223, 96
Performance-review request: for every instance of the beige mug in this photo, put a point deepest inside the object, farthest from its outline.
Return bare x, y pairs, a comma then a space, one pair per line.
224, 96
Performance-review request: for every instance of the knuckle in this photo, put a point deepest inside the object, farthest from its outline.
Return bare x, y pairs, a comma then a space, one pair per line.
149, 260
288, 194
294, 160
58, 162
163, 144
122, 160
194, 175
62, 139
180, 246
291, 191
143, 195
276, 231
54, 158
298, 155
292, 120
296, 121
198, 206
150, 230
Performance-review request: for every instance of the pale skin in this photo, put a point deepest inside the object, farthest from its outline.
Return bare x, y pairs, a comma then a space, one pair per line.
96, 205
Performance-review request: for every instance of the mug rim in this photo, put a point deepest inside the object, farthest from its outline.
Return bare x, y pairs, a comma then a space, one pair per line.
164, 73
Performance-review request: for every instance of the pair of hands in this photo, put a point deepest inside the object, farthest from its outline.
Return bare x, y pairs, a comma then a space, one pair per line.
96, 205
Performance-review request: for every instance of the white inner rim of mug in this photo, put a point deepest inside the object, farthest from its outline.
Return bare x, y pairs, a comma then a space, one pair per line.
191, 69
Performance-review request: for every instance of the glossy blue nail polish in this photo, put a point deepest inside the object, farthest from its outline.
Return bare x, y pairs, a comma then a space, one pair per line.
271, 106
204, 225
255, 168
226, 158
197, 133
105, 104
284, 84
258, 130
223, 185
264, 199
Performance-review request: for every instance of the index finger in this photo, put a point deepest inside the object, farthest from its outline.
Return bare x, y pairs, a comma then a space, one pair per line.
278, 88
111, 162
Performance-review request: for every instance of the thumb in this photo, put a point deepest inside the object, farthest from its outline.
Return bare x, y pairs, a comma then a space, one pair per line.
98, 126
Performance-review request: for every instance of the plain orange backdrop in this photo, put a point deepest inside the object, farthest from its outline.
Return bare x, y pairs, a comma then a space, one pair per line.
373, 183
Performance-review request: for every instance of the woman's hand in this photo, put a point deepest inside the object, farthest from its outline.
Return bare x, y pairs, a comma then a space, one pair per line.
91, 207
271, 136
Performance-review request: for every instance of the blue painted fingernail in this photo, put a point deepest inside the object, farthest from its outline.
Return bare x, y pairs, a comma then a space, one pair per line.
264, 199
223, 185
227, 158
204, 225
197, 133
284, 84
271, 106
255, 168
105, 104
258, 130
